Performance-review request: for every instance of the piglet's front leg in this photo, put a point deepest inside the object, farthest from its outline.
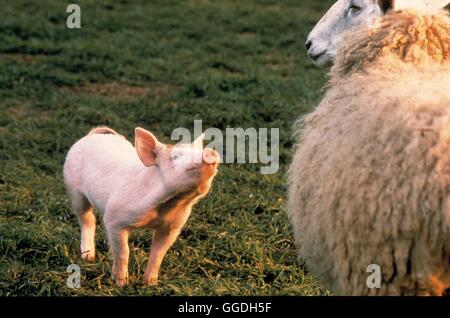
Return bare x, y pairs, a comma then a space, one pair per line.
162, 241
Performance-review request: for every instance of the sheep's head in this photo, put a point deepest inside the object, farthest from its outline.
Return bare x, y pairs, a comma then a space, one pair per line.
349, 15
406, 36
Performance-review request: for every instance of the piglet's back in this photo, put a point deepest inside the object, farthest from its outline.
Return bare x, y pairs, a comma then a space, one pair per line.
103, 149
98, 157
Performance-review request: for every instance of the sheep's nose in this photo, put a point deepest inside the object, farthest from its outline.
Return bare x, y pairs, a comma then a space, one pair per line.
308, 44
210, 156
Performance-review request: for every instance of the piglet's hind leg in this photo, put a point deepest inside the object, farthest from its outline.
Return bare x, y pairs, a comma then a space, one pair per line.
86, 218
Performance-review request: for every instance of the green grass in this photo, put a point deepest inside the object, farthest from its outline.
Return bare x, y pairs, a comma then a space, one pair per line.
160, 65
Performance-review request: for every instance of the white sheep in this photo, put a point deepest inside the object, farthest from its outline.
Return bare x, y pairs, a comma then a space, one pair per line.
370, 179
349, 15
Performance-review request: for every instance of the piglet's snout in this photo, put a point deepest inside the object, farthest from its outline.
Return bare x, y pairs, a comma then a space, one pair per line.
211, 156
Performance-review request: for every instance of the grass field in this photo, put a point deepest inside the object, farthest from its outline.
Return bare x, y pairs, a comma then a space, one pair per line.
160, 65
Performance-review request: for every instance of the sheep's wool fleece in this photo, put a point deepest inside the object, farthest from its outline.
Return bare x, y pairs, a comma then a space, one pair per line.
370, 179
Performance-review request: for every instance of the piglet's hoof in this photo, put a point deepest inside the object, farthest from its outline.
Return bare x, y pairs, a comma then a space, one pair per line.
151, 281
120, 281
88, 256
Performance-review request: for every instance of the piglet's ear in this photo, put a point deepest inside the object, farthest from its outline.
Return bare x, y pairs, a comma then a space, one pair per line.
146, 145
198, 143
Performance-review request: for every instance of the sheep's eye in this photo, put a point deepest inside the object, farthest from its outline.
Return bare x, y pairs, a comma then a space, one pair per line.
354, 9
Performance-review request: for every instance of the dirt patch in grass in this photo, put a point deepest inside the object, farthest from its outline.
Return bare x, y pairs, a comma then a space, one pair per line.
113, 90
22, 58
18, 111
43, 114
162, 90
273, 62
277, 63
246, 35
120, 91
21, 111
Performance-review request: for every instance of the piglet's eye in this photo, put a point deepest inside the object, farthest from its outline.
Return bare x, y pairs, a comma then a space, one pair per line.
176, 156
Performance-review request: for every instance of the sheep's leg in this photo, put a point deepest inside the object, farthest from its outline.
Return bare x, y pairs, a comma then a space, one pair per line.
86, 218
118, 240
162, 241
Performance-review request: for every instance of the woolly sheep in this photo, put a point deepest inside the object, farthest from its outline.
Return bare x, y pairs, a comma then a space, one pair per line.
370, 178
349, 15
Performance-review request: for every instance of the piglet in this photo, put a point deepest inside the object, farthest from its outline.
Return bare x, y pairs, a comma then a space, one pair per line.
149, 185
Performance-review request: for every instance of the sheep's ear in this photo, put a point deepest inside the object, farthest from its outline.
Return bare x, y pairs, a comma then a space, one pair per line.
440, 4
420, 4
386, 5
146, 146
